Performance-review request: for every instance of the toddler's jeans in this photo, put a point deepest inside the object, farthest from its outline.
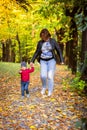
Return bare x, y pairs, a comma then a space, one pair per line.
24, 87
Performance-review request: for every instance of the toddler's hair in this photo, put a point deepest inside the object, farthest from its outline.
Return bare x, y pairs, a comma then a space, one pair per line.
23, 64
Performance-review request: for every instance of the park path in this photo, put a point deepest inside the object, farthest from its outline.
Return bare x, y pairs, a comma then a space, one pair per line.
61, 111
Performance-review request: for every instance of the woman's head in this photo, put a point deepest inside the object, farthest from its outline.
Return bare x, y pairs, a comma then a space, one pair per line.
44, 34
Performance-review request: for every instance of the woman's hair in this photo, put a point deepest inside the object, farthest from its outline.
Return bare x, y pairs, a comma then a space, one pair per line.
45, 33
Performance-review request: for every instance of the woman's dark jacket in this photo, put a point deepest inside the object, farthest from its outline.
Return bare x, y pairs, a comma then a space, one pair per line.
55, 46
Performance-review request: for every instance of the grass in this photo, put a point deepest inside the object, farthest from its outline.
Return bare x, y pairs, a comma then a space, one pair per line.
12, 69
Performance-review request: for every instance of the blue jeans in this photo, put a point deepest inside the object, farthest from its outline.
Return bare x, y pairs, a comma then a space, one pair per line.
24, 87
47, 73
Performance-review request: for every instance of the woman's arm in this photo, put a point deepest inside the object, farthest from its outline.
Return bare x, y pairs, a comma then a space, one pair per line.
57, 47
36, 53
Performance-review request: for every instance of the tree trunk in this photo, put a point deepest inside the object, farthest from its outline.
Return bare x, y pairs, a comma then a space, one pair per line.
13, 53
60, 34
73, 46
3, 51
74, 38
84, 56
19, 43
67, 51
84, 45
8, 50
84, 52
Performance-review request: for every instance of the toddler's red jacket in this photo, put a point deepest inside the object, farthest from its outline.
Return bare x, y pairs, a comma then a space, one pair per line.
25, 74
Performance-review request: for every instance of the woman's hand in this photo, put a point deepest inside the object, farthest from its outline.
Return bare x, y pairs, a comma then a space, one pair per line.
31, 64
62, 63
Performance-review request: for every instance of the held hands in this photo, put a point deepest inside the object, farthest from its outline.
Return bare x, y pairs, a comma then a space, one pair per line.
31, 64
62, 63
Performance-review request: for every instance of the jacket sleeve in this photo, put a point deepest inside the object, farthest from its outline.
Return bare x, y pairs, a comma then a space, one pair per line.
20, 71
36, 53
31, 69
57, 47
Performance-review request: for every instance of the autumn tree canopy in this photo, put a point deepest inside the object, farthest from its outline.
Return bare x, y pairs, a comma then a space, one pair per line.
22, 20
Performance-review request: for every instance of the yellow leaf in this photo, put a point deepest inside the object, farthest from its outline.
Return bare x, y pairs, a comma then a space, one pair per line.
32, 106
20, 108
59, 110
32, 127
52, 99
0, 109
45, 116
73, 117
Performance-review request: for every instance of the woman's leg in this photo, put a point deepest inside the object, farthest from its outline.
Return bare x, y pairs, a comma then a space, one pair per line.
43, 75
51, 71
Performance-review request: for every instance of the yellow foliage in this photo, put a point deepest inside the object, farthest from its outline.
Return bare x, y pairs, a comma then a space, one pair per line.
0, 109
32, 127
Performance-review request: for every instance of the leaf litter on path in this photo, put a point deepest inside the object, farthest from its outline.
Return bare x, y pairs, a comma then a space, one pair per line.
59, 112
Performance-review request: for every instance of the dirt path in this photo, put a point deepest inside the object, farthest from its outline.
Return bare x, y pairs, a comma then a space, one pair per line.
59, 112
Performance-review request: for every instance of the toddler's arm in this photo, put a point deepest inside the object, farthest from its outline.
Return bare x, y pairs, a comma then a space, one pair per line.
20, 71
32, 68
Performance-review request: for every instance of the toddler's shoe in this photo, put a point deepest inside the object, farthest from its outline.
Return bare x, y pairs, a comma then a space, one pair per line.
22, 97
28, 95
49, 93
43, 91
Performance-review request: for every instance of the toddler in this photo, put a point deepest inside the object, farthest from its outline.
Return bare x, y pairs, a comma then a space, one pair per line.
25, 78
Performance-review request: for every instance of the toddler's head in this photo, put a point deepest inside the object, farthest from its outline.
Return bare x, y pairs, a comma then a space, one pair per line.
23, 65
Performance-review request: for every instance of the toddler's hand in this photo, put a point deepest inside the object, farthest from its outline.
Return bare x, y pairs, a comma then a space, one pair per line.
20, 71
62, 63
31, 64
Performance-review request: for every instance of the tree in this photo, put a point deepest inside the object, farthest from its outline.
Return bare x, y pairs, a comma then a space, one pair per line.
16, 21
70, 9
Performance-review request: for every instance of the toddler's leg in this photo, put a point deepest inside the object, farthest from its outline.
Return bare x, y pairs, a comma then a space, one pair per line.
26, 88
22, 88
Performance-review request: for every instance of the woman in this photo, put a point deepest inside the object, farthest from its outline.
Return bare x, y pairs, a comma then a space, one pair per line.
46, 48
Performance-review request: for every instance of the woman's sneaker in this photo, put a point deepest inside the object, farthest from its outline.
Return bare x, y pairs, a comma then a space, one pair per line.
43, 91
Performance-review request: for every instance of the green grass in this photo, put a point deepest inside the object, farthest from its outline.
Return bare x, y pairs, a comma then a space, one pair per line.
12, 69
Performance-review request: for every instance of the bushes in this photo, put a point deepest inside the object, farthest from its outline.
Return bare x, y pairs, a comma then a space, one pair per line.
78, 84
